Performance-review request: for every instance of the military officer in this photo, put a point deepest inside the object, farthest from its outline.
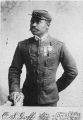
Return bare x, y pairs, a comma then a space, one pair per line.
41, 55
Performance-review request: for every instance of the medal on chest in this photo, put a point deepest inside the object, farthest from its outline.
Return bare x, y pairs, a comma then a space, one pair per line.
46, 50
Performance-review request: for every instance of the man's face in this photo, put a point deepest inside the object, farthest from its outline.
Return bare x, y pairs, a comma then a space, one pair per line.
38, 27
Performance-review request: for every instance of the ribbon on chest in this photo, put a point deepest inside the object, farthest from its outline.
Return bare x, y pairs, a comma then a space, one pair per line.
46, 50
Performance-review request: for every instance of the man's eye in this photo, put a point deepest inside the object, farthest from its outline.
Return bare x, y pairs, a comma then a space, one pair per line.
40, 21
36, 21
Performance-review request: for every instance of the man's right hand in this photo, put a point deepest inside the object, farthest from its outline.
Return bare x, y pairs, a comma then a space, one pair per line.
17, 98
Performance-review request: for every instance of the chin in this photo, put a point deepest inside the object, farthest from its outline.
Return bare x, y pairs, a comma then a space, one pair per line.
34, 33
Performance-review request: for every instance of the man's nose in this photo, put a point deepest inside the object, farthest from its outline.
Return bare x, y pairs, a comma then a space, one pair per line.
34, 24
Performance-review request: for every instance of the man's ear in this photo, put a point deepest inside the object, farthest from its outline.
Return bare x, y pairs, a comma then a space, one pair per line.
48, 26
48, 23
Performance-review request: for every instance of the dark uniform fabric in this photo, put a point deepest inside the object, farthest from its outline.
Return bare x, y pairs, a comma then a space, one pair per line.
40, 86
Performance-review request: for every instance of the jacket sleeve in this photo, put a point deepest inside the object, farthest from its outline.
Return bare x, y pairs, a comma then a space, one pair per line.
15, 71
70, 69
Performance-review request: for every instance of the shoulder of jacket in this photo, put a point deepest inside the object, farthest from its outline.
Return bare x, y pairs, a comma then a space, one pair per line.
24, 42
56, 41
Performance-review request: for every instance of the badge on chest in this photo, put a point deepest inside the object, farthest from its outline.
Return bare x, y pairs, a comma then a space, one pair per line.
47, 50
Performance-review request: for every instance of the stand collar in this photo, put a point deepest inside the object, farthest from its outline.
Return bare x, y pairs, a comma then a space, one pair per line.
43, 38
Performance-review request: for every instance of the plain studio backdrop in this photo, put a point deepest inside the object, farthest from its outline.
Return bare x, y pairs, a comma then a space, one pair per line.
66, 26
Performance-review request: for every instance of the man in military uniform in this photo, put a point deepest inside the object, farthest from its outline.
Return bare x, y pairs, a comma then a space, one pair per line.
41, 55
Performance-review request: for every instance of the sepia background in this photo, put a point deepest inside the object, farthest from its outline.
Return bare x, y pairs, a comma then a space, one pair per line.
66, 26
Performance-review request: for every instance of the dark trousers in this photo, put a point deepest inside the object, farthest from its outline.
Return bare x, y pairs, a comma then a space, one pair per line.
41, 105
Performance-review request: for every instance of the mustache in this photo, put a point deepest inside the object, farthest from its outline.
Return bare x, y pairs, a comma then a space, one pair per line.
32, 27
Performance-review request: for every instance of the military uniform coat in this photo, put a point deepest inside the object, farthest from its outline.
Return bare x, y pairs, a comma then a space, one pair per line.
41, 60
